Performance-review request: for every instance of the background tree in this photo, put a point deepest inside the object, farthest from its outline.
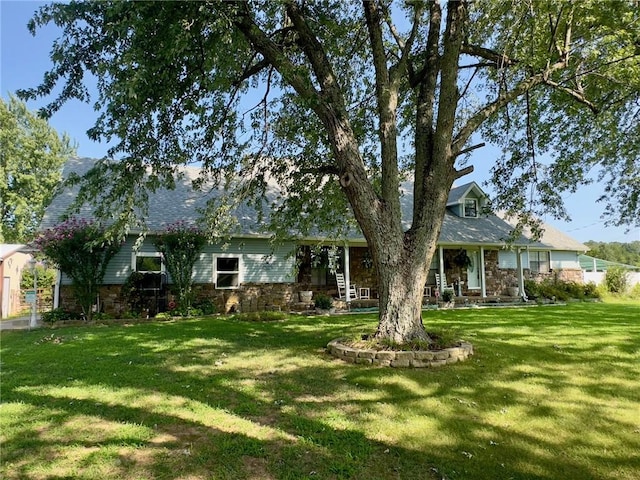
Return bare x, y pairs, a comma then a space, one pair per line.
80, 251
338, 102
31, 158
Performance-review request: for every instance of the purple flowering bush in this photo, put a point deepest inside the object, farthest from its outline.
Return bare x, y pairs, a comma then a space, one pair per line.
180, 245
79, 248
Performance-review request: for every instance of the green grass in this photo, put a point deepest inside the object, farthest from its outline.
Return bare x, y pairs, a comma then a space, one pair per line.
552, 393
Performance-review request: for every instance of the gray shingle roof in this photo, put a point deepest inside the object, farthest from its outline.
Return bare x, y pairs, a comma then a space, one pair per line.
182, 204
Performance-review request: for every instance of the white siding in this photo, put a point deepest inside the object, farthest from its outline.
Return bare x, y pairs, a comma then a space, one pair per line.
565, 260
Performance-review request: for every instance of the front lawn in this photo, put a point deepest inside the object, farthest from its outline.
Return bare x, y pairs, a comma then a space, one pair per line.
552, 393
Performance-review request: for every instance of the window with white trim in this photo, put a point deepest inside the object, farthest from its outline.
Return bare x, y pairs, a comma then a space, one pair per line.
147, 263
539, 262
227, 271
470, 207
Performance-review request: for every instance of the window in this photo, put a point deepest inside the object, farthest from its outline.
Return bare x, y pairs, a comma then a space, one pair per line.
148, 262
470, 207
539, 262
227, 271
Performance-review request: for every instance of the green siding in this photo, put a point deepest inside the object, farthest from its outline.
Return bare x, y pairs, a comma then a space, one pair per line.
261, 262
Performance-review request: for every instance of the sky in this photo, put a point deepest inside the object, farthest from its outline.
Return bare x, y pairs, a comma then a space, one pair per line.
24, 59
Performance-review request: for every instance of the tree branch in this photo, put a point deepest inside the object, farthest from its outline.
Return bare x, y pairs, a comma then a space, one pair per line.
471, 149
576, 95
499, 59
461, 173
387, 101
275, 56
317, 57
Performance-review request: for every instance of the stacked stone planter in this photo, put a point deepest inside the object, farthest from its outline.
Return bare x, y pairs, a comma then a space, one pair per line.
388, 358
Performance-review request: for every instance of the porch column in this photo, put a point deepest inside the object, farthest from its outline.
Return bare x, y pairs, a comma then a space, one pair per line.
520, 272
56, 290
483, 281
441, 264
347, 273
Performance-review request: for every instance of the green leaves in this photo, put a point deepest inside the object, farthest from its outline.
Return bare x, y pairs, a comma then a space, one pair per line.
180, 245
81, 251
31, 158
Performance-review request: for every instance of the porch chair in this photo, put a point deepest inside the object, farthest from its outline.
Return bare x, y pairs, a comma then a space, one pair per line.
441, 283
342, 287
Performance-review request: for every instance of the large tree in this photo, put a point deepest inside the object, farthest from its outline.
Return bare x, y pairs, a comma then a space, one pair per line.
340, 101
31, 158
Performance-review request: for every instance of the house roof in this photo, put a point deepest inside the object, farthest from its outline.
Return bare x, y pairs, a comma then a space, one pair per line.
459, 193
587, 262
183, 204
8, 249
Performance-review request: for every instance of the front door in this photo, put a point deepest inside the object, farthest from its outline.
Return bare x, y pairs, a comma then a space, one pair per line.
473, 271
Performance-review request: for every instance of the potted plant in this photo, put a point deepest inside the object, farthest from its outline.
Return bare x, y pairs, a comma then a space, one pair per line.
512, 287
323, 303
306, 296
447, 298
462, 260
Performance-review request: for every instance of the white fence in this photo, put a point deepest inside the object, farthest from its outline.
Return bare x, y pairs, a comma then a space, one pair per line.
633, 278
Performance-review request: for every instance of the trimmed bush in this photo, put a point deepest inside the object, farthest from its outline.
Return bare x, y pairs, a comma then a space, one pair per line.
323, 302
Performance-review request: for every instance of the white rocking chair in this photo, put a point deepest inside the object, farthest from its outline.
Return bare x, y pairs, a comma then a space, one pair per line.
342, 288
441, 283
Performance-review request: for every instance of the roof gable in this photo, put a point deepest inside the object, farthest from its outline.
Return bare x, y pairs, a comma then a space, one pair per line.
458, 194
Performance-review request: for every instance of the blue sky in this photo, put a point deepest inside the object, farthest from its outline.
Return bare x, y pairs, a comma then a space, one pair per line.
24, 59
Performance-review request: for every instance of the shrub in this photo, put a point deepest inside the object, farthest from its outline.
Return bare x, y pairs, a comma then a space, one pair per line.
553, 288
80, 250
180, 246
58, 315
591, 290
447, 296
132, 292
206, 306
615, 280
323, 302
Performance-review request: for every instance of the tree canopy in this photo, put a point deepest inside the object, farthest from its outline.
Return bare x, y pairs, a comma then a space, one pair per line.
338, 102
31, 158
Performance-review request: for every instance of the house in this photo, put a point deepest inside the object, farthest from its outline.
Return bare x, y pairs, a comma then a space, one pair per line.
248, 271
12, 261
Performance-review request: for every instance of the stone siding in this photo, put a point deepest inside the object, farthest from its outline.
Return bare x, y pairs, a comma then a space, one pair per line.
248, 298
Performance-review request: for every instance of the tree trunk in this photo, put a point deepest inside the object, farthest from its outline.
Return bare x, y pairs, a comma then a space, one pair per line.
400, 292
402, 274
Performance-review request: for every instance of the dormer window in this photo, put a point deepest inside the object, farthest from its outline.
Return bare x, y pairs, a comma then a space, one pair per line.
470, 207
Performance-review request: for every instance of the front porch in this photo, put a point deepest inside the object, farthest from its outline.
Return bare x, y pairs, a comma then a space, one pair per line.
472, 273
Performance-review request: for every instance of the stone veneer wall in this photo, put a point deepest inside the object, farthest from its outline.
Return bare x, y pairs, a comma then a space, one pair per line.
248, 298
361, 273
388, 358
283, 296
251, 297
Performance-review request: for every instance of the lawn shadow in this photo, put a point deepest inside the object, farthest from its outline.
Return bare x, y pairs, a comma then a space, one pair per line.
236, 400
